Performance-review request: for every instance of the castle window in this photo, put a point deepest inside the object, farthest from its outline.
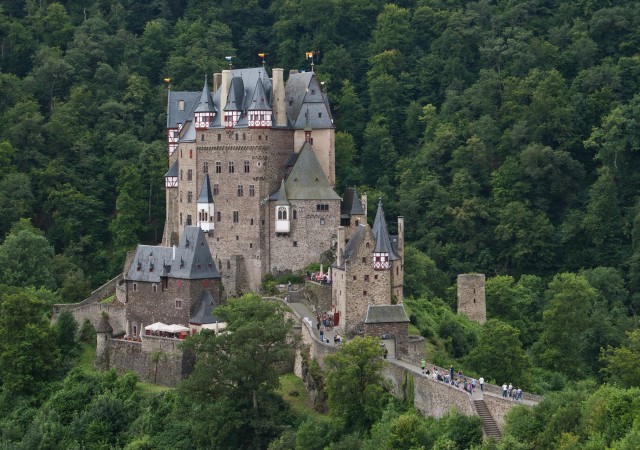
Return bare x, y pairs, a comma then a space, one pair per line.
290, 102
218, 216
250, 244
364, 293
240, 190
190, 153
180, 218
251, 221
178, 304
319, 114
218, 167
237, 237
295, 214
219, 137
252, 190
188, 219
216, 189
231, 168
236, 136
236, 217
181, 105
189, 175
322, 221
364, 260
154, 287
205, 167
259, 137
366, 278
189, 196
322, 207
244, 137
375, 277
202, 137
355, 278
246, 167
357, 222
398, 272
135, 287
165, 283
180, 174
295, 243
180, 153
282, 213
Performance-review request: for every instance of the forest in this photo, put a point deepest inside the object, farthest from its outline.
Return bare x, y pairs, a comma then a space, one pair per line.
505, 132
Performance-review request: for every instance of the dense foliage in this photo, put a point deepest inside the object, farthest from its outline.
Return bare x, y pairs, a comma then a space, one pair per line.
505, 132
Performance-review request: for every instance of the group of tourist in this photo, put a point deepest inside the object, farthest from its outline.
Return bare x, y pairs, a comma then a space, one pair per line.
511, 392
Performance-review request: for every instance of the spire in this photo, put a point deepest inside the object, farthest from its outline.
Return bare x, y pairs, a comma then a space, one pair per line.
282, 195
206, 102
205, 192
381, 233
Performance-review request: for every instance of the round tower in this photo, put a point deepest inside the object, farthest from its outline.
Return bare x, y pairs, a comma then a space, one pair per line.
103, 334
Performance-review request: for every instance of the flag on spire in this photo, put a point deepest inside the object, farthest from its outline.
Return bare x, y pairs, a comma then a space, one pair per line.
228, 58
309, 55
261, 55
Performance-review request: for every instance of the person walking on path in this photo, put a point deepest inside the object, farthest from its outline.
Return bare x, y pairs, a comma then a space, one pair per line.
481, 380
322, 334
504, 390
451, 372
423, 364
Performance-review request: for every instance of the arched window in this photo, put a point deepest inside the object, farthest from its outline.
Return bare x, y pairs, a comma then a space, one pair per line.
282, 213
295, 214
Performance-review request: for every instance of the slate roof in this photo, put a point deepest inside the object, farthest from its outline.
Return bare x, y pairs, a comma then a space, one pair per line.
193, 260
188, 132
381, 233
281, 196
205, 191
307, 181
204, 311
103, 325
386, 314
259, 100
303, 91
173, 172
205, 104
351, 205
174, 114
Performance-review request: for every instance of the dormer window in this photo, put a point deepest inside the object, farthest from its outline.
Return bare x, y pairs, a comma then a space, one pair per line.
181, 105
282, 213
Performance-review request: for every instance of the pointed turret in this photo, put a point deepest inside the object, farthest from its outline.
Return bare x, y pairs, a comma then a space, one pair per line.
206, 110
206, 206
283, 216
171, 177
233, 108
259, 109
383, 251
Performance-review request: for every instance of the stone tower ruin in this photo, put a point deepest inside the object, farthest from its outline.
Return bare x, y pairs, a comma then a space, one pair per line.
471, 297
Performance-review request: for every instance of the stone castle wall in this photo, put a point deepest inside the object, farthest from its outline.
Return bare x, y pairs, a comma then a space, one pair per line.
155, 359
318, 295
312, 233
91, 309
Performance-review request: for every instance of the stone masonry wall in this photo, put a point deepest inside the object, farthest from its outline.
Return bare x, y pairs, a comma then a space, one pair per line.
471, 296
91, 309
172, 363
397, 330
318, 295
312, 233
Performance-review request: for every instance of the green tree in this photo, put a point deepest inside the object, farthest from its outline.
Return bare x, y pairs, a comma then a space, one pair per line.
28, 350
499, 355
236, 375
356, 387
347, 172
26, 259
622, 364
565, 324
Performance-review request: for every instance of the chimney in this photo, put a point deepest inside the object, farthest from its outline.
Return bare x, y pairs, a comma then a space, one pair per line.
225, 85
279, 101
340, 249
363, 200
217, 80
401, 238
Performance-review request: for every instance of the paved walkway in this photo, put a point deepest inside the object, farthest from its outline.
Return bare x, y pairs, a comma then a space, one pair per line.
301, 307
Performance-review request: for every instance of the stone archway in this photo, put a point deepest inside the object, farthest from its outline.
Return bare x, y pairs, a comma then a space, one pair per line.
389, 341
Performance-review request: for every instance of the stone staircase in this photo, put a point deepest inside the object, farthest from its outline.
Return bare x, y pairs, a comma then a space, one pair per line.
488, 424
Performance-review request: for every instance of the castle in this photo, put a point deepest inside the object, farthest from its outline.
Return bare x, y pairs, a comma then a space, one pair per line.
252, 163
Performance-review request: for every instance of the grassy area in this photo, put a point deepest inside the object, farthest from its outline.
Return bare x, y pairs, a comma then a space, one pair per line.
150, 389
300, 401
109, 299
413, 330
87, 355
